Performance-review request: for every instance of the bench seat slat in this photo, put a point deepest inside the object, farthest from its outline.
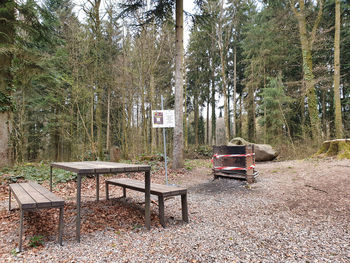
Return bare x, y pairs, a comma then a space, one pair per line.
40, 200
160, 190
54, 199
156, 189
34, 196
24, 200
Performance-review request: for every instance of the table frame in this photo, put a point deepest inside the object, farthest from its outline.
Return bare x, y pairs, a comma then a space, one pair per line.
98, 168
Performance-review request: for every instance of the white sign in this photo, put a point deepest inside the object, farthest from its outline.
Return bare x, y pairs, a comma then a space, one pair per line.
163, 119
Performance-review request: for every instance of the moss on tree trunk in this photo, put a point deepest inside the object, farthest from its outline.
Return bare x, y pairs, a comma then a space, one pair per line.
336, 148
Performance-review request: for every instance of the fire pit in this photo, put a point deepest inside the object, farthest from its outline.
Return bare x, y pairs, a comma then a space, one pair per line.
234, 162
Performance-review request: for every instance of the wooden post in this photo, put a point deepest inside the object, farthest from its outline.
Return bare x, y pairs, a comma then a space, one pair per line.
249, 163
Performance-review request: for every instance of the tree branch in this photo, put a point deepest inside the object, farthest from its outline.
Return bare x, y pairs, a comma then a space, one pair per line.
317, 22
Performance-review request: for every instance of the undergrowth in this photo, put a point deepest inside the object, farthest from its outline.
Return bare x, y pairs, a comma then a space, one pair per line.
34, 172
302, 150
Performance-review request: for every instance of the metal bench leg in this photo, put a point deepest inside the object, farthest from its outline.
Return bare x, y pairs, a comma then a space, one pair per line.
10, 200
184, 207
60, 226
161, 210
148, 199
20, 230
124, 193
107, 191
97, 187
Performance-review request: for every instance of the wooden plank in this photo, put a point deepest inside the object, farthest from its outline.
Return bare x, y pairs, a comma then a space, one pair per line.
113, 167
126, 166
99, 167
75, 167
223, 149
91, 167
144, 168
23, 198
156, 189
56, 201
41, 200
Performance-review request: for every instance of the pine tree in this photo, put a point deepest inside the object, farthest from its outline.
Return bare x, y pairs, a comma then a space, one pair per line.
7, 38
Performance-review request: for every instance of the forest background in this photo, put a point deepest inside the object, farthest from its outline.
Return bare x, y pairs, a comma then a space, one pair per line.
268, 71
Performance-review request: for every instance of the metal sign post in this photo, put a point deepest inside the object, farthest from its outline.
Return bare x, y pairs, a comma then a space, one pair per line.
164, 142
163, 119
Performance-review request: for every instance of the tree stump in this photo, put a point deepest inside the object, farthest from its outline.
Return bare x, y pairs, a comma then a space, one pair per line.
339, 148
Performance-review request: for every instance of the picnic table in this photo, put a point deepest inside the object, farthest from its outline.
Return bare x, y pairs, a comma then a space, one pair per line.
99, 168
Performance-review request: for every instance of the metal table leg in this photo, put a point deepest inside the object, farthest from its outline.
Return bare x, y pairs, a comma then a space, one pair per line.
97, 187
148, 199
78, 207
107, 191
50, 178
10, 199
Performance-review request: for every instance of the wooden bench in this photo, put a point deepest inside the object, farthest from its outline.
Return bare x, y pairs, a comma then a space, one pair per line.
160, 190
32, 196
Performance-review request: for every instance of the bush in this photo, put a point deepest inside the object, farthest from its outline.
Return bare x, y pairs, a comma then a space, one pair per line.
200, 152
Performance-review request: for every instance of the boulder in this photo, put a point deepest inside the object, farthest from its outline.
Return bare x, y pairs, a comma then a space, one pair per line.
263, 152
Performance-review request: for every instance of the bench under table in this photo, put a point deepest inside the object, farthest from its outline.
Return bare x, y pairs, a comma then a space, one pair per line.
159, 190
31, 196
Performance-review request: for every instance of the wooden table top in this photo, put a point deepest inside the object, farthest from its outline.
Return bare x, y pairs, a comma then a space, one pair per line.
97, 167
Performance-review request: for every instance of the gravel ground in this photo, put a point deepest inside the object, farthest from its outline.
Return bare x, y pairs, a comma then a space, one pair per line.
298, 211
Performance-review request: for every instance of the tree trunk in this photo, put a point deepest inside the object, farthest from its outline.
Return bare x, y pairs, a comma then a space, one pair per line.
5, 130
213, 114
143, 116
265, 114
339, 148
337, 104
7, 35
99, 125
207, 124
240, 118
225, 92
178, 161
302, 107
311, 95
265, 126
196, 119
153, 130
92, 120
251, 114
324, 127
185, 120
306, 46
234, 90
108, 142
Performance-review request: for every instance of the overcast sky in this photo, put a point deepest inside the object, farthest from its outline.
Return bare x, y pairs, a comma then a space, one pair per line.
188, 7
